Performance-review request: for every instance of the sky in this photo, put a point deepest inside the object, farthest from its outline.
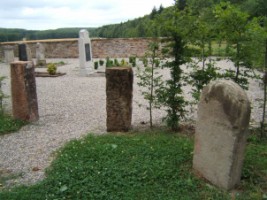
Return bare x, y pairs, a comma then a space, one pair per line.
52, 14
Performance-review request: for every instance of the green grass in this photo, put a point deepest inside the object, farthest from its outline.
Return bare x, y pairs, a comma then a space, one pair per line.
137, 166
8, 124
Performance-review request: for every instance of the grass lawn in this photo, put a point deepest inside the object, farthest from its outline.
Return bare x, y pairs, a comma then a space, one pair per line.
8, 124
139, 166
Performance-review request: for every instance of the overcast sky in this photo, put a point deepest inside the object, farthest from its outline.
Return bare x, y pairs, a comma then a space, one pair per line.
52, 14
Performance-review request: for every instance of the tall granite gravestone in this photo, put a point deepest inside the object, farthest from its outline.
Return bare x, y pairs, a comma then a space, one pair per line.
221, 133
23, 91
9, 54
40, 55
85, 53
24, 52
119, 91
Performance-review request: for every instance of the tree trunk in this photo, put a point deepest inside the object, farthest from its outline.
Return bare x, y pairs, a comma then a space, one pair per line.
237, 63
263, 134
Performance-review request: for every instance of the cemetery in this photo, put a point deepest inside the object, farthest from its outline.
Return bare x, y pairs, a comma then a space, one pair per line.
116, 115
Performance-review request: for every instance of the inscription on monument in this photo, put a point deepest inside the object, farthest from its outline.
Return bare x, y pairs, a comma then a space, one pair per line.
87, 52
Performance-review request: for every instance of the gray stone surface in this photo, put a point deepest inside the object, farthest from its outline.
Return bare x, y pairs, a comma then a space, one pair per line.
221, 133
40, 55
9, 54
85, 53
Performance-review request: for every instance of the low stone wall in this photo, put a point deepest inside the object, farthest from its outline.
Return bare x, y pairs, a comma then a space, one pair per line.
102, 48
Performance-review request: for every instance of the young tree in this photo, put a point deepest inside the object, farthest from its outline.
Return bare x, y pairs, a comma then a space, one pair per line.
171, 95
233, 26
150, 79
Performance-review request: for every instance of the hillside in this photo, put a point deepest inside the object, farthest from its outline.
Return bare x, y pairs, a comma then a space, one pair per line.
146, 26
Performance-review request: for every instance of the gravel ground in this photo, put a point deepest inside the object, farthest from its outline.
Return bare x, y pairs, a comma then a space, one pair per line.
70, 107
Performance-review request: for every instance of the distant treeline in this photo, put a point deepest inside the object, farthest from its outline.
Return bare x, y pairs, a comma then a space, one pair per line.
146, 26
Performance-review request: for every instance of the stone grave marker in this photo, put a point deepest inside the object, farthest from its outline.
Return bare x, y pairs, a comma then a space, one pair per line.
119, 91
24, 52
40, 54
9, 54
85, 53
23, 91
221, 133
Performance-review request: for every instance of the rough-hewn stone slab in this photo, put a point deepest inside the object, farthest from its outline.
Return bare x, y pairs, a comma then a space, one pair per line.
119, 91
23, 90
221, 133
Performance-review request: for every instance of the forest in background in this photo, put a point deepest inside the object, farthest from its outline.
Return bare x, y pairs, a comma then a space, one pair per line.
146, 26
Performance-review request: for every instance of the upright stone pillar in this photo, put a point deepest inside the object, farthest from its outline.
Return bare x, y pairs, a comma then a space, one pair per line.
23, 91
85, 53
119, 91
24, 53
221, 133
9, 54
40, 55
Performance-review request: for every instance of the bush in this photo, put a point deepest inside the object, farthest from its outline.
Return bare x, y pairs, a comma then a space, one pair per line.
52, 68
96, 65
132, 60
101, 62
123, 63
116, 62
109, 62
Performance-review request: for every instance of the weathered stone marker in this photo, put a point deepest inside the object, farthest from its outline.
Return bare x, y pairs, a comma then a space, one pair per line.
24, 53
9, 54
85, 53
221, 133
23, 91
119, 91
40, 55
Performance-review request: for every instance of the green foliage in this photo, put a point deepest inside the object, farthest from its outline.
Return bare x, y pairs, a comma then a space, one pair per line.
8, 124
109, 62
149, 78
152, 165
142, 166
139, 27
101, 62
96, 65
116, 62
123, 63
200, 77
171, 93
235, 28
132, 60
52, 68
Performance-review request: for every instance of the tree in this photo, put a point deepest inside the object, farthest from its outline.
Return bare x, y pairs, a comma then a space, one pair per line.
171, 94
233, 26
149, 78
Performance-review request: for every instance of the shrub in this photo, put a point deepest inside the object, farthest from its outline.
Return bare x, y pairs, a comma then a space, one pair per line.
116, 62
123, 63
132, 60
101, 62
109, 62
96, 65
51, 68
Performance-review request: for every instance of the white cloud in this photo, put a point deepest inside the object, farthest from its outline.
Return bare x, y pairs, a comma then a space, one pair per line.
50, 14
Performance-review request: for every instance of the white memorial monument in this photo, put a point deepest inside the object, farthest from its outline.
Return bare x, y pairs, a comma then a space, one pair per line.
85, 53
40, 55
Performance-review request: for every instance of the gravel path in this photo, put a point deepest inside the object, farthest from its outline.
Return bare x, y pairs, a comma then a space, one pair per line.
69, 107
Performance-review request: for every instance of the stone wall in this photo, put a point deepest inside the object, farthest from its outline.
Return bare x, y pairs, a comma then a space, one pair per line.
102, 48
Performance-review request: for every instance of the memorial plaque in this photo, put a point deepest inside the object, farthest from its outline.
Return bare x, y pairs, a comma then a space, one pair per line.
23, 52
87, 52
